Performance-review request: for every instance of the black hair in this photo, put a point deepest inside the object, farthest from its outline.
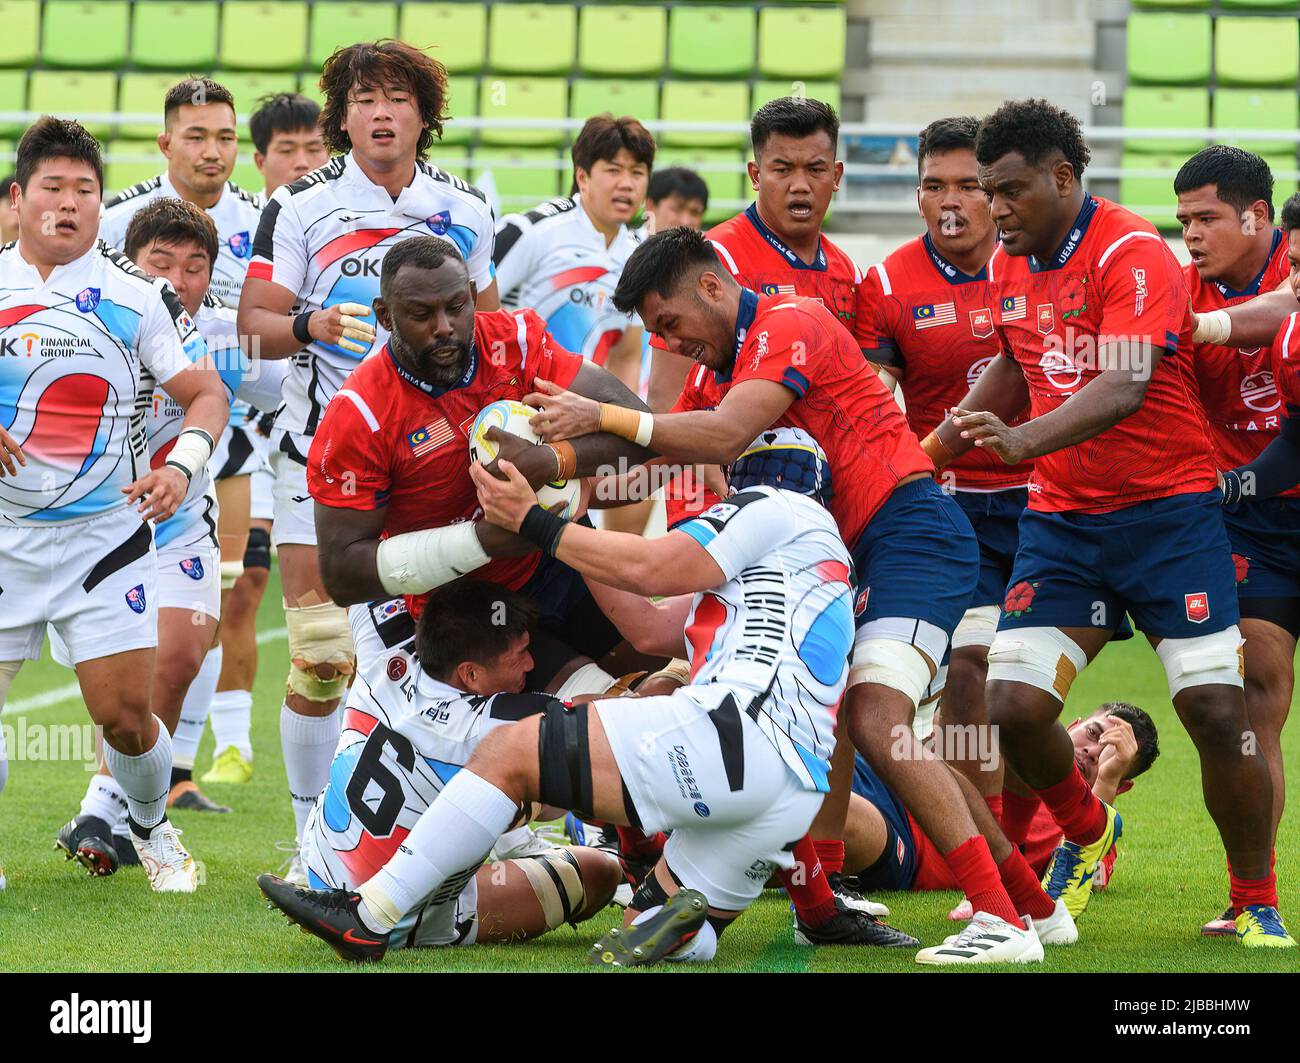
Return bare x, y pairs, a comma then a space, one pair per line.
793, 116
56, 138
662, 263
196, 90
171, 221
1290, 212
281, 112
1240, 177
677, 181
470, 620
945, 134
603, 136
374, 66
424, 252
1034, 128
1144, 730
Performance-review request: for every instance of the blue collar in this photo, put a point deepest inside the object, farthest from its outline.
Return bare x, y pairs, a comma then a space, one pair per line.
947, 270
430, 389
1072, 240
744, 319
819, 265
1253, 287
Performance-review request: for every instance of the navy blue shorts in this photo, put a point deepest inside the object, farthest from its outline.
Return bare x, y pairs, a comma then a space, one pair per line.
1167, 562
1266, 536
995, 518
896, 867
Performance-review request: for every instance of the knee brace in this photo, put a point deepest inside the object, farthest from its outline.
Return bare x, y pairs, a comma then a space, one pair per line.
1041, 657
977, 627
319, 634
890, 663
557, 884
564, 759
258, 552
1203, 660
230, 573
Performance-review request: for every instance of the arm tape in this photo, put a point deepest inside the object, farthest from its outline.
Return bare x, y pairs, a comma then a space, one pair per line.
1213, 327
416, 562
543, 529
191, 451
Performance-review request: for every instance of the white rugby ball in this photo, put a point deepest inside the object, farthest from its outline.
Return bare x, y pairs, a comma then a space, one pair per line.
559, 496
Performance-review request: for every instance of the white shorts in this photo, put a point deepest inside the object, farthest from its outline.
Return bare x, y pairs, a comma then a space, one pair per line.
235, 454
189, 575
733, 806
381, 631
94, 581
293, 512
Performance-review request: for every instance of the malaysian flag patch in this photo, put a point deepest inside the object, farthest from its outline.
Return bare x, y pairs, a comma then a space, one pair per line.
932, 314
1014, 308
430, 437
779, 289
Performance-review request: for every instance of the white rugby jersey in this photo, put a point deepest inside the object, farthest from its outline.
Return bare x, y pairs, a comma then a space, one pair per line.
72, 351
324, 237
779, 631
554, 260
235, 215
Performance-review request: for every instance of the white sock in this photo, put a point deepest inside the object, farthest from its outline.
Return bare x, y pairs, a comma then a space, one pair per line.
232, 721
194, 710
146, 779
308, 743
104, 798
453, 833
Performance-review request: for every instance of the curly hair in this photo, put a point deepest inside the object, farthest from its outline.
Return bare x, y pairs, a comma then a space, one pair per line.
1034, 128
372, 66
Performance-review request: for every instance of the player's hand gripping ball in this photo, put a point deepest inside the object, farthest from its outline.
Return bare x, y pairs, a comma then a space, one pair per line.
560, 496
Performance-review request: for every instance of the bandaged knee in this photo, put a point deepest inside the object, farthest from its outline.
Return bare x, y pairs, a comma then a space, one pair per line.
977, 627
230, 573
557, 884
1205, 660
1042, 657
591, 678
890, 663
319, 635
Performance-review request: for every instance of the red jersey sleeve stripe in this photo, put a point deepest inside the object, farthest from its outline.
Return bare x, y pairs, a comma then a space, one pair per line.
727, 260
1101, 262
260, 271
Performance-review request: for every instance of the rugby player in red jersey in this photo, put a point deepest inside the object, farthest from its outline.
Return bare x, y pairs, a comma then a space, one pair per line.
1123, 508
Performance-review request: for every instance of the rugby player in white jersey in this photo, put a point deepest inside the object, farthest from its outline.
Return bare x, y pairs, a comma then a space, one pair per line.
287, 144
314, 274
79, 326
735, 764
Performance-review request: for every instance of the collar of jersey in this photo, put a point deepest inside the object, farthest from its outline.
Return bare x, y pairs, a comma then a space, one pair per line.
817, 266
1253, 287
744, 318
947, 270
1072, 239
429, 389
60, 269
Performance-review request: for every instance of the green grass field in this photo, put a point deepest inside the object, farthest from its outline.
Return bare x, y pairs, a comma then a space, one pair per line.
1169, 879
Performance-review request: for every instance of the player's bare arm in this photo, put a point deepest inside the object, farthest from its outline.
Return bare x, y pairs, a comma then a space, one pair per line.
1001, 390
264, 312
624, 358
10, 452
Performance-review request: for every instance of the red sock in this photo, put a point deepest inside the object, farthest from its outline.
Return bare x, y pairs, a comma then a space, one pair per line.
830, 851
972, 864
809, 891
1017, 814
1023, 887
994, 801
646, 850
1245, 891
1077, 810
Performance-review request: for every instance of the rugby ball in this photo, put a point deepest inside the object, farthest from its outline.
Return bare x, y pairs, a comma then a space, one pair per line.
561, 496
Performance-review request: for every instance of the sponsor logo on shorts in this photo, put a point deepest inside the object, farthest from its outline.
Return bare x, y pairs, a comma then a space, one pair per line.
685, 776
981, 323
1197, 606
439, 223
240, 245
87, 299
701, 809
860, 603
192, 567
135, 598
396, 668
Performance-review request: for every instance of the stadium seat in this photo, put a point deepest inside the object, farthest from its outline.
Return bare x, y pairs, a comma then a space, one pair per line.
522, 177
704, 101
462, 102
801, 42
454, 34
622, 41
263, 36
637, 98
1184, 4
142, 93
722, 170
451, 159
247, 86
1256, 109
309, 86
1153, 107
1283, 187
166, 36
13, 97
532, 38
517, 97
21, 20
85, 34
1151, 194
128, 162
1168, 48
1261, 5
711, 41
336, 25
1256, 51
766, 91
73, 92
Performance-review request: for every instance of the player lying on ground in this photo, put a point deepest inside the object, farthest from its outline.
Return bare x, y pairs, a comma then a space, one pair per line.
734, 763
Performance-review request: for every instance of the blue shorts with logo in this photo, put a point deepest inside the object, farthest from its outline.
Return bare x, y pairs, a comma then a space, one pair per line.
1266, 534
896, 867
1166, 562
995, 518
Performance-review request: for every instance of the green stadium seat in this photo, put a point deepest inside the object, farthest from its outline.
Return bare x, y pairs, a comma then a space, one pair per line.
69, 93
141, 92
462, 102
1168, 48
1283, 187
766, 91
1256, 109
166, 36
711, 41
13, 97
722, 170
336, 25
21, 20
622, 41
1256, 51
704, 101
451, 159
1151, 194
247, 86
640, 99
1186, 5
523, 177
532, 38
454, 34
1260, 5
86, 34
309, 86
140, 163
1154, 107
801, 42
263, 36
517, 97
